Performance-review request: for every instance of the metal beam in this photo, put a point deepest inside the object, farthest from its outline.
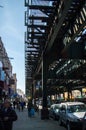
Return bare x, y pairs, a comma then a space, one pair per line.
37, 37
39, 33
58, 26
41, 7
37, 26
46, 19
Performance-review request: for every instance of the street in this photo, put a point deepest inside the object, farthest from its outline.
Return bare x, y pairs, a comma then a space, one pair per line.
26, 123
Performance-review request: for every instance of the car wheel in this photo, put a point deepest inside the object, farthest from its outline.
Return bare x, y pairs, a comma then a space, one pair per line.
60, 122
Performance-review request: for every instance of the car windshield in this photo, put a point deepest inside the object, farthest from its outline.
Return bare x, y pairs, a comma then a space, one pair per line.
56, 107
77, 108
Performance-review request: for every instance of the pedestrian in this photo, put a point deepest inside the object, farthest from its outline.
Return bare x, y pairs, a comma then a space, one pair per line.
32, 112
1, 123
14, 104
29, 108
7, 115
22, 105
18, 105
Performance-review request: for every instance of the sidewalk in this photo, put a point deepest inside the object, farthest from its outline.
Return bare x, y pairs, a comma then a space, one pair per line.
34, 123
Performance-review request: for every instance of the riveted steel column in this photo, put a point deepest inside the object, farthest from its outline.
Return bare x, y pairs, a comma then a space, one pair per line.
44, 111
44, 79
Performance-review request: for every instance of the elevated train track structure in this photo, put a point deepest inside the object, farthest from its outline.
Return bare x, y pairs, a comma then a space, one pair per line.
55, 45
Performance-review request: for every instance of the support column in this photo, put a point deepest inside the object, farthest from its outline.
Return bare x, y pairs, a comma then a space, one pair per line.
32, 92
44, 111
81, 92
69, 91
44, 80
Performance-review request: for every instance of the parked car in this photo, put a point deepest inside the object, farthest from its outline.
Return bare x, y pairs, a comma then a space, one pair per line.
53, 111
71, 114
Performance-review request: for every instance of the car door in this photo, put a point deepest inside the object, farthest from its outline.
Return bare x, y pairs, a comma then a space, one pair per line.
63, 114
51, 111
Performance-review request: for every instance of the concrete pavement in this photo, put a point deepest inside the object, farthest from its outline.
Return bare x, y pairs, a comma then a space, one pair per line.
34, 123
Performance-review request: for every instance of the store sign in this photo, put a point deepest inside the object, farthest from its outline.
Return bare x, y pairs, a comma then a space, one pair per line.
2, 75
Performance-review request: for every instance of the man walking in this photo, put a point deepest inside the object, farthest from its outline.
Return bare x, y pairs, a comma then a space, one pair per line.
8, 115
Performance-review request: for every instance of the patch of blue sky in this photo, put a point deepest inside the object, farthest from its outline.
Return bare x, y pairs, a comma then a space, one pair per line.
12, 33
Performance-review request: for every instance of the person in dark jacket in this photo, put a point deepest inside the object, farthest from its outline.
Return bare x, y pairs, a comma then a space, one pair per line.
8, 115
1, 123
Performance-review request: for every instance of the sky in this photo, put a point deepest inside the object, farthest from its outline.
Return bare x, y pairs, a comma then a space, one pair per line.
12, 31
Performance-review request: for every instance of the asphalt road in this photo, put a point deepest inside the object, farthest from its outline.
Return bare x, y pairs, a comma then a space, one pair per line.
34, 123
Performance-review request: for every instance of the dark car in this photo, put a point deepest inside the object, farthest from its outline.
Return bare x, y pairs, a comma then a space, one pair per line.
54, 111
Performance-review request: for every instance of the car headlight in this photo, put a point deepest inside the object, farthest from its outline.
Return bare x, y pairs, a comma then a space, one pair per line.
80, 119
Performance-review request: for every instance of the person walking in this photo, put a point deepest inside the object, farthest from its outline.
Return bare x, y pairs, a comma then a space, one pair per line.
1, 123
14, 104
32, 111
29, 108
22, 105
7, 115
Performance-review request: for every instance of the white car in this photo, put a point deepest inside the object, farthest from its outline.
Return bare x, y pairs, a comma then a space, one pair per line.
71, 114
53, 111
